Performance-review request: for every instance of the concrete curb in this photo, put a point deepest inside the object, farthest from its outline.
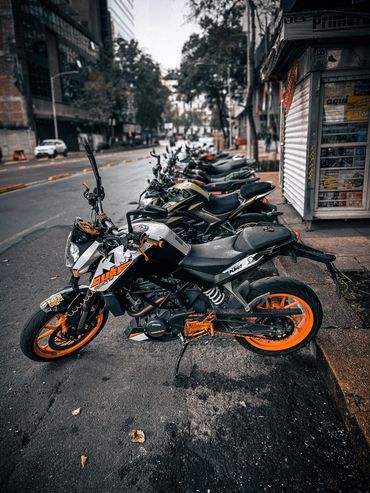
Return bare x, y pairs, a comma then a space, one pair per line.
343, 362
10, 188
353, 411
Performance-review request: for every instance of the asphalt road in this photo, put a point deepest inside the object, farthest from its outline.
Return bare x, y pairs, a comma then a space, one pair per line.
235, 421
36, 170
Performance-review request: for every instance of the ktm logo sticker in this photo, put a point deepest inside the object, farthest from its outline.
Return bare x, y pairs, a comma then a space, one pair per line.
108, 276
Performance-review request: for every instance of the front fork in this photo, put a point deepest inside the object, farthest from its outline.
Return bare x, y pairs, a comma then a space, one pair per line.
87, 305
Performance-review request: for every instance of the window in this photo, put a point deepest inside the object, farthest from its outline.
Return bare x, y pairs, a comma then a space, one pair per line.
344, 144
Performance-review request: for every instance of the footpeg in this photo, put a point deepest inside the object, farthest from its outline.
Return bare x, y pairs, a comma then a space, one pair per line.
136, 333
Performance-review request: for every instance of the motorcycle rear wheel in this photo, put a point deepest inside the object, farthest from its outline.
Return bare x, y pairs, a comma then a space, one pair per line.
301, 329
42, 337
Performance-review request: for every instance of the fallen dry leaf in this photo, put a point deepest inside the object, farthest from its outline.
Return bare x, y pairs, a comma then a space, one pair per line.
137, 436
76, 412
242, 403
83, 459
54, 277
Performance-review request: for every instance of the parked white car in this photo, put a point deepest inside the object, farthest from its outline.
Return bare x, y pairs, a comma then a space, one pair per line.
51, 148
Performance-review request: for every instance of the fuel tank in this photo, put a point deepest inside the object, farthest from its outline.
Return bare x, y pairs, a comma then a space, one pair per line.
159, 259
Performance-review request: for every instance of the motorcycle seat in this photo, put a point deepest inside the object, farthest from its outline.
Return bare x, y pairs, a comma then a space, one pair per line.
226, 168
212, 257
261, 236
224, 186
222, 203
216, 256
250, 190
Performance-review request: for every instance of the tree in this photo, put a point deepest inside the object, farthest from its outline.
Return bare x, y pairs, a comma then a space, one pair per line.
214, 62
143, 76
217, 14
104, 93
124, 88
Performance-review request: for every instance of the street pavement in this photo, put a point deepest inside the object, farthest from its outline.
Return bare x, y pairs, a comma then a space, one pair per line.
37, 170
234, 422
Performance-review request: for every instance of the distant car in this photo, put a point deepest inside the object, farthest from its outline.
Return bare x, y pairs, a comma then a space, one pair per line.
51, 148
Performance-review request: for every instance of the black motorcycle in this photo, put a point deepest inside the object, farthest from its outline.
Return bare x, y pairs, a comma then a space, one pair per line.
172, 289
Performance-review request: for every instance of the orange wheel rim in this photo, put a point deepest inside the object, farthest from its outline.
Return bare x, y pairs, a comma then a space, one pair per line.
303, 323
41, 345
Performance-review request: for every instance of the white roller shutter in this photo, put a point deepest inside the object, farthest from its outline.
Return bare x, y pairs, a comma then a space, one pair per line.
295, 147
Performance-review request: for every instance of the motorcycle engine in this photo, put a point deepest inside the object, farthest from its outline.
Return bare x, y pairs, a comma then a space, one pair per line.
155, 328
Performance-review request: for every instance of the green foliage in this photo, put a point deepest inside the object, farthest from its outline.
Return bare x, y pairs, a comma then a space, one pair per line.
105, 93
216, 57
127, 87
144, 78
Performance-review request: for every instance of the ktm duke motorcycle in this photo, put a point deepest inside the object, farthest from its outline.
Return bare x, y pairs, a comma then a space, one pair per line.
173, 289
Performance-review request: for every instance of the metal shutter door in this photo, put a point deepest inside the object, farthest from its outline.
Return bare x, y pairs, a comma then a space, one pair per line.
295, 147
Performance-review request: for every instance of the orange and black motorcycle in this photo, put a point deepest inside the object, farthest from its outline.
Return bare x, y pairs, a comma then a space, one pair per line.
172, 289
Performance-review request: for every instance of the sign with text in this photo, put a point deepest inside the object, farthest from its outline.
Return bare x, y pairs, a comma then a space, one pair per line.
324, 25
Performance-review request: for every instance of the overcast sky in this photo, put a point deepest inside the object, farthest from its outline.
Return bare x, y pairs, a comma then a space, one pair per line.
161, 29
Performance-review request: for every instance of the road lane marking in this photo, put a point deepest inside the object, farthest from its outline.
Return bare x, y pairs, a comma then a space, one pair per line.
38, 183
58, 177
31, 229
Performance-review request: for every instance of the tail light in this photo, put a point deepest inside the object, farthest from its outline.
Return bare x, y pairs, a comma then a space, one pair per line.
265, 201
297, 234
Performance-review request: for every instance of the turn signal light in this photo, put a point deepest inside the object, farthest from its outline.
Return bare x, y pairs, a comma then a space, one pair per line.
265, 201
75, 272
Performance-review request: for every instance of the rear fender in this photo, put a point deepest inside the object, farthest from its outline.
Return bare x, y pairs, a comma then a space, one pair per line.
62, 299
302, 250
305, 251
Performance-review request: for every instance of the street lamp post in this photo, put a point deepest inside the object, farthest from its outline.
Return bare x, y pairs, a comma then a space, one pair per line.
56, 135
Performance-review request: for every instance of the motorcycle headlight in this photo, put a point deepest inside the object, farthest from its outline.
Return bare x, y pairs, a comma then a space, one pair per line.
72, 252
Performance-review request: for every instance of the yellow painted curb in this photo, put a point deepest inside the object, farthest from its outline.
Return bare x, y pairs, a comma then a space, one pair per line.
10, 188
57, 177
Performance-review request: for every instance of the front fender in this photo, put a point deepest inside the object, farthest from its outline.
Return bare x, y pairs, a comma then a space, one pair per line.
62, 299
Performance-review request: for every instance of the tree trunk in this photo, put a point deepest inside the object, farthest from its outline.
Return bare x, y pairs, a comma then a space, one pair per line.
252, 78
221, 116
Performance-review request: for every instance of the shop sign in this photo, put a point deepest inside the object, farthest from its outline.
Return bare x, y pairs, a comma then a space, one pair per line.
313, 25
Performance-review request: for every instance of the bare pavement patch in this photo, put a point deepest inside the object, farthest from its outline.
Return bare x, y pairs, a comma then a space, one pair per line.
234, 421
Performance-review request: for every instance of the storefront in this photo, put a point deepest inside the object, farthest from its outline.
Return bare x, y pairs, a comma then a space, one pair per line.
343, 148
325, 82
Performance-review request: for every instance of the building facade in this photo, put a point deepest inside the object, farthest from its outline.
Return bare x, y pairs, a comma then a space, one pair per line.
122, 18
41, 39
322, 58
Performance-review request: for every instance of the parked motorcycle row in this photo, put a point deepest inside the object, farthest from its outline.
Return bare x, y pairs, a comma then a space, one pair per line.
180, 267
207, 195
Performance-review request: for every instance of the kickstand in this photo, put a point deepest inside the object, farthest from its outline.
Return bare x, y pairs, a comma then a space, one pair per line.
182, 352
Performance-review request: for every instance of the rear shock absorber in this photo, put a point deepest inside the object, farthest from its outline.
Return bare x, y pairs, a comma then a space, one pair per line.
215, 295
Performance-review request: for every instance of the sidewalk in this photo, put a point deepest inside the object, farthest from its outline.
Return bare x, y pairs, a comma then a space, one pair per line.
342, 347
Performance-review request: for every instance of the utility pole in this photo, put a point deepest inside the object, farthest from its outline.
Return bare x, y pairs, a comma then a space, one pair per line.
229, 92
56, 134
248, 136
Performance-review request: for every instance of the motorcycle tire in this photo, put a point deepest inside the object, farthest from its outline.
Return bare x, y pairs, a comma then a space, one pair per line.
39, 328
300, 329
247, 221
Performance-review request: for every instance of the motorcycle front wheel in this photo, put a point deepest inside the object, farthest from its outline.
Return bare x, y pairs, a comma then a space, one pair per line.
46, 336
294, 331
